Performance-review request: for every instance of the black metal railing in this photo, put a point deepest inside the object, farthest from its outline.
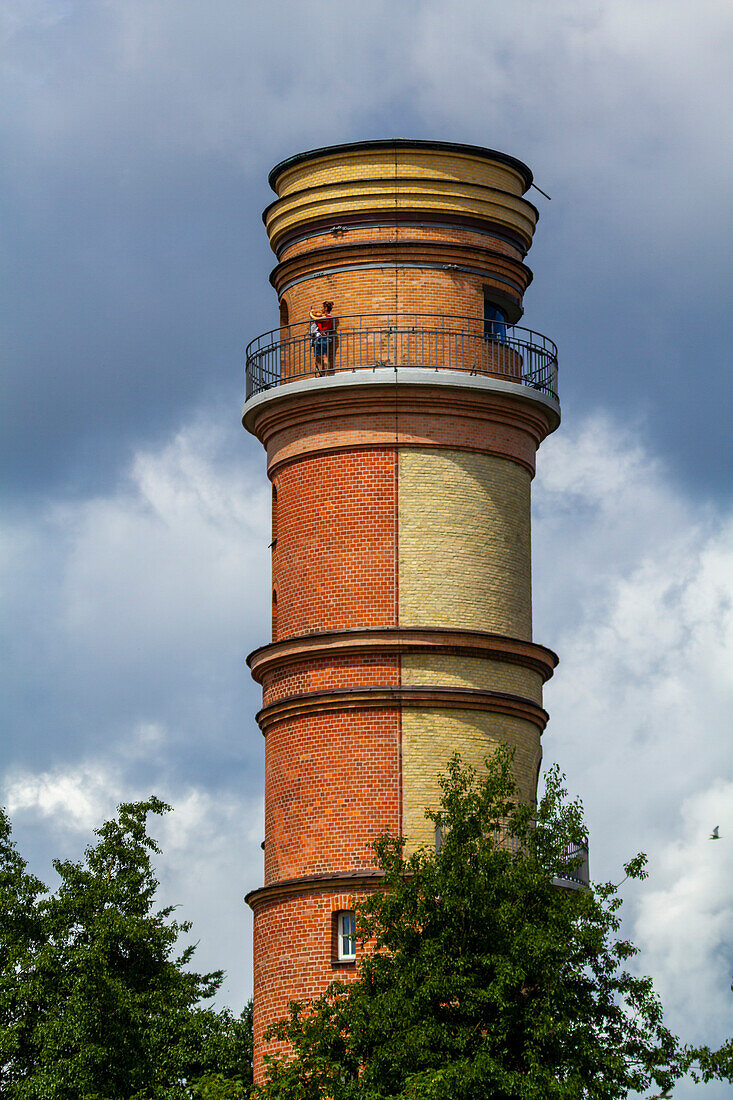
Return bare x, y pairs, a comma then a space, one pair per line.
578, 866
572, 861
373, 341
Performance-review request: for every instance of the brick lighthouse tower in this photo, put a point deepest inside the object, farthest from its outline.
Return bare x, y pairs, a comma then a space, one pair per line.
401, 442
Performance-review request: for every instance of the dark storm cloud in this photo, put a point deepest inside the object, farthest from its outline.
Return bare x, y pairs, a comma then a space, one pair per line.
621, 109
120, 319
138, 137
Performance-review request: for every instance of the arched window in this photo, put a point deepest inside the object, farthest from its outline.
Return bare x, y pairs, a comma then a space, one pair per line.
284, 313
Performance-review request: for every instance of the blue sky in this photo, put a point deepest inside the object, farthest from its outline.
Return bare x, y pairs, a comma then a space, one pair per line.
137, 137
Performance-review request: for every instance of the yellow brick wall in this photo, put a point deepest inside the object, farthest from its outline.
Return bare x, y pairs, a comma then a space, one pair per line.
436, 233
430, 736
381, 163
435, 196
464, 542
447, 670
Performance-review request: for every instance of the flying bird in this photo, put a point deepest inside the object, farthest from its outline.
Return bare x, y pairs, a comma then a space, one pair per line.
715, 835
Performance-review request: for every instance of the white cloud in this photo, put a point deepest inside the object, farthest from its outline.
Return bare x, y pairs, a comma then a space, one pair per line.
210, 848
76, 799
634, 588
625, 512
129, 616
683, 923
140, 605
181, 544
638, 601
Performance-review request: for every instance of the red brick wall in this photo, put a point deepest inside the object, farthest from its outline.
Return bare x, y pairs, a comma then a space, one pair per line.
488, 434
334, 562
327, 672
339, 259
332, 784
294, 955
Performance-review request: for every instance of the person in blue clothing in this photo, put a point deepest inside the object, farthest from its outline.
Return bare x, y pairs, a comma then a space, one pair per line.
323, 337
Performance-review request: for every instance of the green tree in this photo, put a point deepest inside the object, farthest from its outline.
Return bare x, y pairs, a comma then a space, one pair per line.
21, 937
96, 1003
485, 979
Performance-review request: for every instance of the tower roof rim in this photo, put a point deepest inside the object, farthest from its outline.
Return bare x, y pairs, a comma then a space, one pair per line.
403, 143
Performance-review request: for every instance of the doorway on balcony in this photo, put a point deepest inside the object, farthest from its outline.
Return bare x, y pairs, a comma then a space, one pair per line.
494, 321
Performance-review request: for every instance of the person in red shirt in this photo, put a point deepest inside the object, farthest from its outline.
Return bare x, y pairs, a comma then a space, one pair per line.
323, 337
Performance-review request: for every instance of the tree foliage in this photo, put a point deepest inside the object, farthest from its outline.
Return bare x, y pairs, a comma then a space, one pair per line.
96, 1003
483, 978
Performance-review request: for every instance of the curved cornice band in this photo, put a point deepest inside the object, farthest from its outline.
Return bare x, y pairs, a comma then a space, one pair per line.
416, 193
367, 698
510, 300
308, 408
347, 256
308, 884
397, 146
392, 640
402, 219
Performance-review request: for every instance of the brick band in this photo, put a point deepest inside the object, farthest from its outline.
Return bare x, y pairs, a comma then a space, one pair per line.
421, 194
365, 410
401, 640
401, 221
493, 265
308, 884
369, 698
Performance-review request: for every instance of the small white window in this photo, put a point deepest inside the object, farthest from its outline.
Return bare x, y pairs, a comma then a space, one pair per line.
346, 936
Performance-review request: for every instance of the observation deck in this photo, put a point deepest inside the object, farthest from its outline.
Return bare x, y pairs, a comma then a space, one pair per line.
435, 342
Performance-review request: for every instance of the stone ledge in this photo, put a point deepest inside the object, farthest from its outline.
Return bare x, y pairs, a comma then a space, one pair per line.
368, 698
309, 883
389, 377
401, 640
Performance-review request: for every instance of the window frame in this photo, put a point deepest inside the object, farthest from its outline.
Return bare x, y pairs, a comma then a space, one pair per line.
342, 935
